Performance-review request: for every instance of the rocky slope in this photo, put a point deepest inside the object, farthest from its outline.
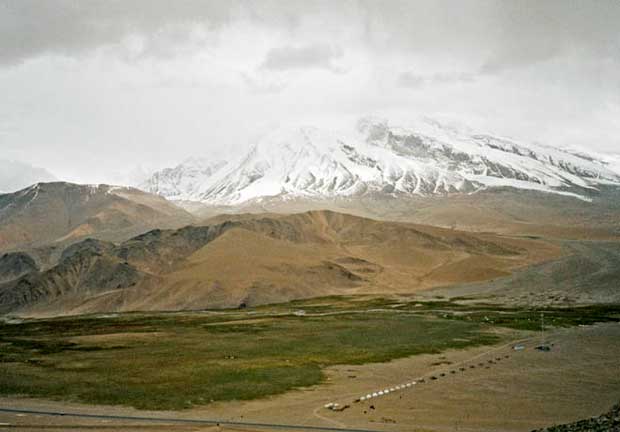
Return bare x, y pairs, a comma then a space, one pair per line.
16, 264
424, 159
64, 212
608, 422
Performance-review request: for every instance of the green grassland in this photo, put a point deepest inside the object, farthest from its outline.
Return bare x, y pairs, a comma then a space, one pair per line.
179, 360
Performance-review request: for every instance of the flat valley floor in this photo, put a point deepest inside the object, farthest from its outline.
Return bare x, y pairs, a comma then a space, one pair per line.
505, 390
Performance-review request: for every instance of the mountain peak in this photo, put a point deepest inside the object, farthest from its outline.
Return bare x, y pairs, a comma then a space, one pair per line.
372, 127
184, 180
425, 158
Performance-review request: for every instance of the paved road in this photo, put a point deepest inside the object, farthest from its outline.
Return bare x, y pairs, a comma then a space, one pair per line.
266, 426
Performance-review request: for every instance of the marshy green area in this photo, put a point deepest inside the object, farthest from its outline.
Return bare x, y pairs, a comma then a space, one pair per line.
178, 360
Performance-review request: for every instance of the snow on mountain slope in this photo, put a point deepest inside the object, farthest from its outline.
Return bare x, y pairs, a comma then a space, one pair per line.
425, 158
183, 181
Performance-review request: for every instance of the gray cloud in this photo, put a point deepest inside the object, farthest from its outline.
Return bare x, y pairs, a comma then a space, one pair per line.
29, 28
412, 80
257, 87
495, 35
319, 56
536, 31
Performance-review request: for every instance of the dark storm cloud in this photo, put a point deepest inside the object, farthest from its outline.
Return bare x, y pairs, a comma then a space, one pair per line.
311, 56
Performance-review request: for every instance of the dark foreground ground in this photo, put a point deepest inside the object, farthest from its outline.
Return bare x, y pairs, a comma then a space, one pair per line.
607, 422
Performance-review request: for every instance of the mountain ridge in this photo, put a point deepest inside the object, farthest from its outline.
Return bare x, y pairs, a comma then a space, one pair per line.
256, 259
61, 212
423, 160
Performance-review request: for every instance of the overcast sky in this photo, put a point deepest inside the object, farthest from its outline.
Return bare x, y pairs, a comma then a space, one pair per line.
93, 89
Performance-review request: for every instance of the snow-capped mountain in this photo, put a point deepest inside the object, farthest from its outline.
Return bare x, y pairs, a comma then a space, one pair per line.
426, 158
186, 181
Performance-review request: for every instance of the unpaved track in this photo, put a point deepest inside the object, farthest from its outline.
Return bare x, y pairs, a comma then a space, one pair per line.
578, 378
350, 398
172, 421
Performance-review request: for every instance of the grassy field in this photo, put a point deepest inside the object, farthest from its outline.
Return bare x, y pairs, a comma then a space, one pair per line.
178, 360
521, 318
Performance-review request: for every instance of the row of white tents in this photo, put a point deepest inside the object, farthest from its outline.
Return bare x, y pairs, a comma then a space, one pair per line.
387, 391
334, 406
376, 394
